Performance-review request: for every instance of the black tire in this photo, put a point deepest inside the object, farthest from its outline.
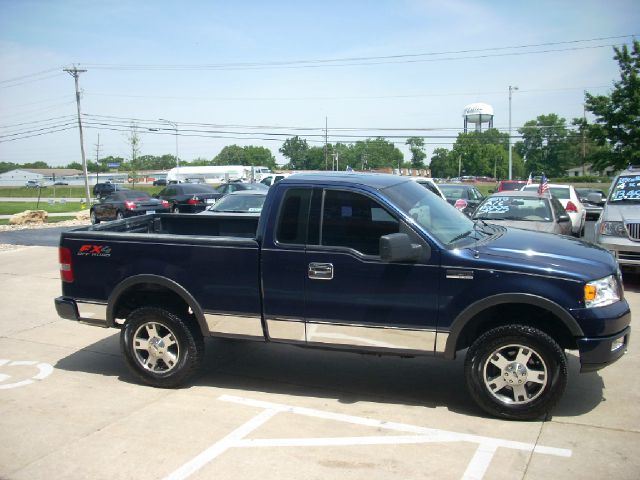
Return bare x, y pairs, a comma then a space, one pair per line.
173, 350
93, 217
516, 372
119, 215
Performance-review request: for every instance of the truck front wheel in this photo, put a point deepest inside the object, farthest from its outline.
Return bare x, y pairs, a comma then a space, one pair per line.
516, 372
160, 348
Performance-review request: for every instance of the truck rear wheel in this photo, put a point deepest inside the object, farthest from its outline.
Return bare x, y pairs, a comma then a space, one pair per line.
516, 372
160, 348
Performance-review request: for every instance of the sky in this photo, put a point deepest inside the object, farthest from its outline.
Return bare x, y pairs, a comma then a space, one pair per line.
255, 73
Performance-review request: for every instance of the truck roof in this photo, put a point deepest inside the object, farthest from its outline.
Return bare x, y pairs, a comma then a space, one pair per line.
372, 180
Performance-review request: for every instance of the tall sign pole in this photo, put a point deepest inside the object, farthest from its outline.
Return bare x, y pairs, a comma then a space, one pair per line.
511, 89
75, 73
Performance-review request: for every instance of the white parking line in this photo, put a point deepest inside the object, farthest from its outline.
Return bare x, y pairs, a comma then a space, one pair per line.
476, 467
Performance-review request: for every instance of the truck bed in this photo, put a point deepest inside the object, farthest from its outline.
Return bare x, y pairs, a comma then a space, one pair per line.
181, 224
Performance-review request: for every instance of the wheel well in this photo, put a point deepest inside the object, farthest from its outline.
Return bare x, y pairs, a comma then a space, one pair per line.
151, 294
515, 313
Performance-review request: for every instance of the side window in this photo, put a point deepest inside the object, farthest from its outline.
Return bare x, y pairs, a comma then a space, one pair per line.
294, 217
557, 207
355, 221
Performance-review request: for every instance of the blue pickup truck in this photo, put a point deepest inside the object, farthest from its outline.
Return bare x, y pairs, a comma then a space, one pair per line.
368, 263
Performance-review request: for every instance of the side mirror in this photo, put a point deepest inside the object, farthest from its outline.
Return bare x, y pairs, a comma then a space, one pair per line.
594, 197
564, 218
397, 247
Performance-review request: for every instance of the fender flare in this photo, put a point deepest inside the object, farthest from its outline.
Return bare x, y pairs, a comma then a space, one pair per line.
463, 318
175, 287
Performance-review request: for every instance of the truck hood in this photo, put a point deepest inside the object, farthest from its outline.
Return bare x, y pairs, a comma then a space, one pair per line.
546, 253
623, 212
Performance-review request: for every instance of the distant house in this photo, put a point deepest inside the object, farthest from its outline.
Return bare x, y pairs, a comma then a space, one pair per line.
20, 176
587, 171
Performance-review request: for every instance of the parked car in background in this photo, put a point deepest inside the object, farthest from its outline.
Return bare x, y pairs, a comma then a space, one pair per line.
235, 186
273, 178
508, 185
527, 210
618, 228
124, 204
33, 184
595, 205
160, 182
464, 197
60, 182
243, 202
429, 184
569, 199
189, 197
101, 190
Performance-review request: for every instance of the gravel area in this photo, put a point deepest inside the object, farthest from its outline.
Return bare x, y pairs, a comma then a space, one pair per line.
30, 226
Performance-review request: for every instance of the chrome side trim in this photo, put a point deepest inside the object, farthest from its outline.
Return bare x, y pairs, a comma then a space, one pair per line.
441, 342
460, 274
372, 337
236, 325
92, 313
495, 270
286, 330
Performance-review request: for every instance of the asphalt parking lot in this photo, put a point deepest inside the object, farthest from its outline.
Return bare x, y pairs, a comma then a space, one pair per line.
70, 409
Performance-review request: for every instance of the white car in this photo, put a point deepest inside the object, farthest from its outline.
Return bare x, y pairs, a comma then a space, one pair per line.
273, 178
569, 199
429, 184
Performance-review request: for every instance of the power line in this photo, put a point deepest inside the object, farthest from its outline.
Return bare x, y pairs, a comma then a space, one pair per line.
342, 97
305, 63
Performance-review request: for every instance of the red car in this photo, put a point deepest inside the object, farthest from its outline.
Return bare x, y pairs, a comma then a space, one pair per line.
508, 185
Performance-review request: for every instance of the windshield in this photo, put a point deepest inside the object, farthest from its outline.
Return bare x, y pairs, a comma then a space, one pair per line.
431, 212
239, 203
563, 193
626, 189
528, 209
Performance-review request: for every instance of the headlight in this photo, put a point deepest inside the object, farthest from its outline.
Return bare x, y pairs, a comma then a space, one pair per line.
615, 229
601, 292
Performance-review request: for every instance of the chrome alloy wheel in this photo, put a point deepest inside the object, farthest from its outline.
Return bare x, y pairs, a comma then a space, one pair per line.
156, 348
515, 374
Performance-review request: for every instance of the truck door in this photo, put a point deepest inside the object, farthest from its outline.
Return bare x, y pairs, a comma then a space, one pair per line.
355, 299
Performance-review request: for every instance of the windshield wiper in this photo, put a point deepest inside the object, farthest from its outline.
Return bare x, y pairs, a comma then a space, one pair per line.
461, 236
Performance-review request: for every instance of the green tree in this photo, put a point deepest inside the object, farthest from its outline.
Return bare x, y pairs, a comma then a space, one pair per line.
442, 164
617, 115
38, 164
544, 145
416, 146
296, 149
6, 166
74, 165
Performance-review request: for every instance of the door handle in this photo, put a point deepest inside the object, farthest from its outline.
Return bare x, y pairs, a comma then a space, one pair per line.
321, 271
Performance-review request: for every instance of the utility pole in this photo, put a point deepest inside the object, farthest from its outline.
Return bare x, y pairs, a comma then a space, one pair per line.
97, 145
75, 73
511, 89
584, 127
326, 149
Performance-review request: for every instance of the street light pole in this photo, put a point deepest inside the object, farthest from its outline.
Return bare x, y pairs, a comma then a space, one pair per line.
175, 126
511, 89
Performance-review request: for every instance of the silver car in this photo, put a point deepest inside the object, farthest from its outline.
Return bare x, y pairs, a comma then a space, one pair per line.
618, 228
526, 210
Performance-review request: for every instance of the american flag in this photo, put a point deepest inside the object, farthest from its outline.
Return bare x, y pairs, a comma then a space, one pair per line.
544, 185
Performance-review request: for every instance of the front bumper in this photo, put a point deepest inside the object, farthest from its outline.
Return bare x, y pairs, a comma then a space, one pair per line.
91, 313
597, 353
626, 251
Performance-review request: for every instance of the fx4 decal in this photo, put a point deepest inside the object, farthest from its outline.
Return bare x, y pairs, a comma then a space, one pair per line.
94, 251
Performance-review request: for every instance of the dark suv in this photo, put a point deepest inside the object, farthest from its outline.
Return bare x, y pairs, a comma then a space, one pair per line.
101, 190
